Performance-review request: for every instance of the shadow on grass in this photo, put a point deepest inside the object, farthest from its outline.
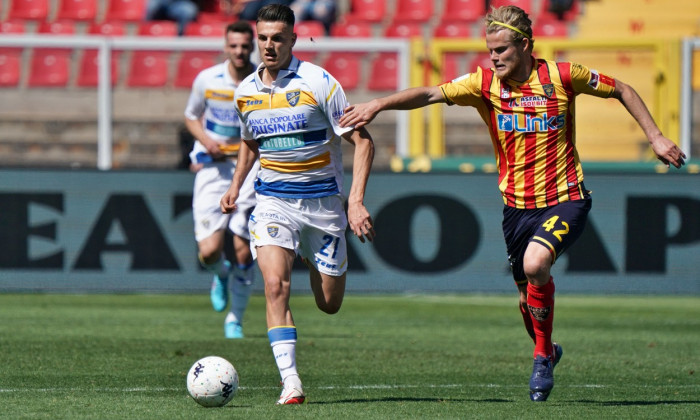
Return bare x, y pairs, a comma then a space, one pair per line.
631, 403
408, 399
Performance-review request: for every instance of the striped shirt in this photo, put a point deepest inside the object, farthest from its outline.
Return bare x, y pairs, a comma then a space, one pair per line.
532, 128
295, 124
211, 100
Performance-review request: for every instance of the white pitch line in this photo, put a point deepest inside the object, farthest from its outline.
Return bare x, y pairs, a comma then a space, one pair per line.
331, 387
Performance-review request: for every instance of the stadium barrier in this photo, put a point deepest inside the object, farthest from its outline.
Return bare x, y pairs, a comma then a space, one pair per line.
106, 45
660, 87
123, 231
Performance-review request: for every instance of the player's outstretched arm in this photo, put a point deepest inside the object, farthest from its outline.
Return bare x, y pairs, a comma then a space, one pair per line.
362, 114
359, 218
665, 149
247, 155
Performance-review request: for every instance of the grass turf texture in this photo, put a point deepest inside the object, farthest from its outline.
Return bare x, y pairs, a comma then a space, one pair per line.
381, 357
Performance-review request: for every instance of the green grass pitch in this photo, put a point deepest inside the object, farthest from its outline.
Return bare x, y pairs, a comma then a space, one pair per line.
381, 357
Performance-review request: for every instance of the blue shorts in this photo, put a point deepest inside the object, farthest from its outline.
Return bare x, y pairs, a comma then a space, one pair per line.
556, 228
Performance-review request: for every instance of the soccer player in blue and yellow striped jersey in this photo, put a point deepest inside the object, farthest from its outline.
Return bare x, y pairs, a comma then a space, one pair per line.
528, 106
290, 111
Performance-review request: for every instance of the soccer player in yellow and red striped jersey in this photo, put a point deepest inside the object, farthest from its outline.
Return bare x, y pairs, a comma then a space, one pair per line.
528, 106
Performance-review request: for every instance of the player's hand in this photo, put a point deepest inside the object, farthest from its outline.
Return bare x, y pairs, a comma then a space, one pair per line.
228, 202
361, 222
668, 152
358, 115
212, 148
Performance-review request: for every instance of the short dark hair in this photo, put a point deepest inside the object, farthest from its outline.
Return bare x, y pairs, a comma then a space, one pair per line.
242, 27
276, 13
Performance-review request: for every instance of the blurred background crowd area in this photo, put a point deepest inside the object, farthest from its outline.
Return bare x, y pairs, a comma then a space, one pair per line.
48, 114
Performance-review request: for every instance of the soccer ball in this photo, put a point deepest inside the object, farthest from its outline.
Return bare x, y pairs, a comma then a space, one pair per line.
212, 381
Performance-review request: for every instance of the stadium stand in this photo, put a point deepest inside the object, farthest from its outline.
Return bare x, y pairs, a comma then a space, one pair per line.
191, 63
384, 70
81, 10
346, 66
88, 72
452, 61
206, 29
50, 67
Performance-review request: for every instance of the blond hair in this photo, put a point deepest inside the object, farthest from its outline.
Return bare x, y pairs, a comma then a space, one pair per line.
511, 18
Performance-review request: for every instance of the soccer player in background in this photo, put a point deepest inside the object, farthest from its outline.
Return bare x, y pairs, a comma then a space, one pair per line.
528, 106
289, 112
211, 118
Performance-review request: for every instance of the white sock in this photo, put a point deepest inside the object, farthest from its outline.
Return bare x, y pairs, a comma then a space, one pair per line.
285, 356
241, 288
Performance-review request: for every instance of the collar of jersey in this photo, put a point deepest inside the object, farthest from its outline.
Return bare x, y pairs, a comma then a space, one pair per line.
283, 73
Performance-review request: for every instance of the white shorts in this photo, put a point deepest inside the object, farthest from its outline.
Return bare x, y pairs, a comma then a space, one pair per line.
314, 228
210, 184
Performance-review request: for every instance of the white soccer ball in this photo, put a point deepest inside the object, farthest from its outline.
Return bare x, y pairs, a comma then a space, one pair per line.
212, 381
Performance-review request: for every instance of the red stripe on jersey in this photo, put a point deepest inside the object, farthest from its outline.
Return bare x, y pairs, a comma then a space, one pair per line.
530, 140
509, 144
487, 80
569, 151
550, 178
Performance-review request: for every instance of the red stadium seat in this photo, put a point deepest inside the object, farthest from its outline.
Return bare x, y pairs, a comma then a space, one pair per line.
88, 72
550, 28
150, 68
451, 61
125, 10
463, 11
414, 10
345, 68
309, 29
384, 68
384, 72
214, 18
367, 10
482, 60
190, 64
206, 29
28, 9
526, 5
50, 67
357, 29
10, 67
11, 57
81, 10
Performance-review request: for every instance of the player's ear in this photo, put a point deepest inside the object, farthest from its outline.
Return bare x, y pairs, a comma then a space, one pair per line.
294, 39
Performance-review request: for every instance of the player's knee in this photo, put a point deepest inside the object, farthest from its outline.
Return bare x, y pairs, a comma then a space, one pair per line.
536, 269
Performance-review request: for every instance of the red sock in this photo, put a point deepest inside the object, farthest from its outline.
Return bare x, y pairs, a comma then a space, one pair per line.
528, 322
540, 302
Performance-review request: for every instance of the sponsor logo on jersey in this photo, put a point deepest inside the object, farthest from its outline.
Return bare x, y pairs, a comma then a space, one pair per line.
291, 141
293, 97
528, 101
529, 123
278, 124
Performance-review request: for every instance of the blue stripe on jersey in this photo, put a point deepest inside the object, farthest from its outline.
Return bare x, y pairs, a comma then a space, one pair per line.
223, 130
311, 189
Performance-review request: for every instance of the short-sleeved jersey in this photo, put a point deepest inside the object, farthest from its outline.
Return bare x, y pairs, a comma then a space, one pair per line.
295, 124
211, 100
532, 127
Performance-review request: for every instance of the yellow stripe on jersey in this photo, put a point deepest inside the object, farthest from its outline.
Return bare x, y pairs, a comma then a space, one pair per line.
328, 98
219, 94
316, 162
229, 149
279, 101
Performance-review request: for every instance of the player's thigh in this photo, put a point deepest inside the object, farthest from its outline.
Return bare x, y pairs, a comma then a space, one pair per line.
323, 242
210, 184
560, 226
